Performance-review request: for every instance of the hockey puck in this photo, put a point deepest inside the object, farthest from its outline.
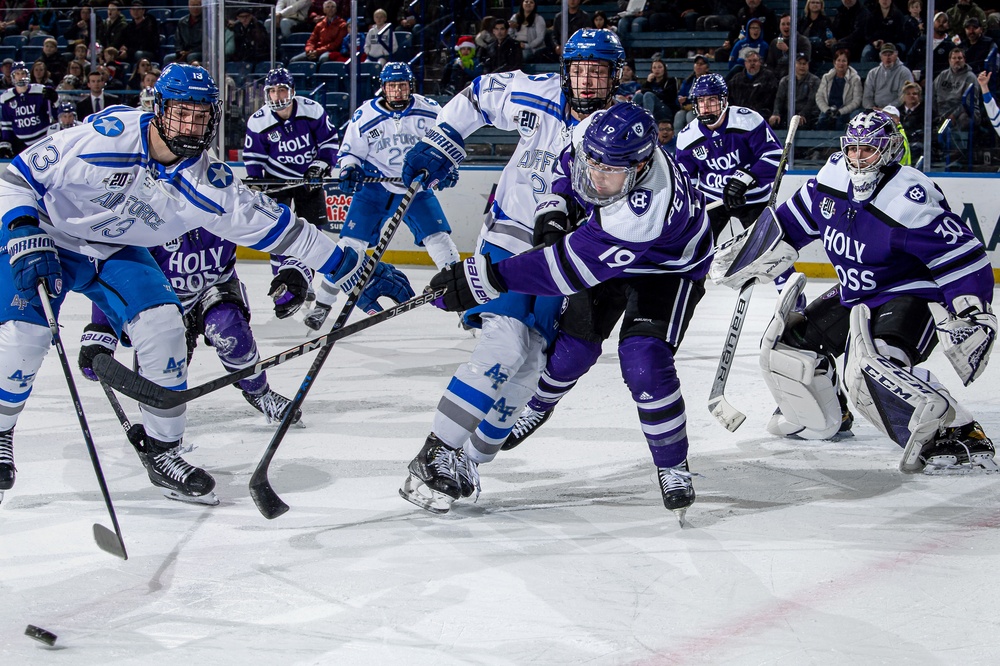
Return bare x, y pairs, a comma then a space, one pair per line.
40, 635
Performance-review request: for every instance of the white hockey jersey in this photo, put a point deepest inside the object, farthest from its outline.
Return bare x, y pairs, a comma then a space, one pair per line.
57, 127
537, 108
378, 138
95, 189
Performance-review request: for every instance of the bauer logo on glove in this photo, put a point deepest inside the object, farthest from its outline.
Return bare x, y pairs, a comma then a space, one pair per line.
468, 283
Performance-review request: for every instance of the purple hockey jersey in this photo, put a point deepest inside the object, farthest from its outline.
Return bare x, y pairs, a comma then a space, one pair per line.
903, 240
286, 148
195, 262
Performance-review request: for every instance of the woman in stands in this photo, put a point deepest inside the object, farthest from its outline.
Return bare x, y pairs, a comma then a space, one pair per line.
839, 94
658, 94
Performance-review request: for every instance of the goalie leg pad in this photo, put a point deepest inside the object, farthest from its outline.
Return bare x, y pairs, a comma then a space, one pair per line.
893, 399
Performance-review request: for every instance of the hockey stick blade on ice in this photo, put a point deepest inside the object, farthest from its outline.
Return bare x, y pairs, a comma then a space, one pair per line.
131, 383
730, 417
268, 503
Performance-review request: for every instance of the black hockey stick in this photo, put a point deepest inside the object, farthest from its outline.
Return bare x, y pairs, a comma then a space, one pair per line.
730, 417
270, 505
291, 184
107, 540
131, 383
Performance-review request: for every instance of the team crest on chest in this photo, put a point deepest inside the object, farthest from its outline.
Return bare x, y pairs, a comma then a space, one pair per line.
526, 122
827, 207
172, 246
700, 153
274, 136
917, 194
117, 181
639, 200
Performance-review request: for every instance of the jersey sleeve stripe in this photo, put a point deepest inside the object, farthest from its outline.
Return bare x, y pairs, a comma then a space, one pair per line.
554, 271
970, 247
22, 168
16, 212
276, 231
192, 194
964, 272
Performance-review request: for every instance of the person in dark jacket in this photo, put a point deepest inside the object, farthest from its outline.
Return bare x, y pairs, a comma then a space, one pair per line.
504, 53
884, 24
141, 37
658, 93
754, 87
848, 27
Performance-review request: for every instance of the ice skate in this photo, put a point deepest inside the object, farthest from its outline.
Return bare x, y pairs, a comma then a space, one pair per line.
273, 406
433, 483
467, 470
528, 422
676, 488
178, 479
315, 319
7, 469
962, 449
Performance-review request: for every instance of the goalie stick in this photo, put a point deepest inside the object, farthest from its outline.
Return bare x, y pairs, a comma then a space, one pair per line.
730, 417
108, 541
137, 387
268, 503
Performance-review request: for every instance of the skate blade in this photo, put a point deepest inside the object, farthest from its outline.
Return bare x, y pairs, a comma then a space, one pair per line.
967, 469
1, 496
433, 501
681, 514
208, 499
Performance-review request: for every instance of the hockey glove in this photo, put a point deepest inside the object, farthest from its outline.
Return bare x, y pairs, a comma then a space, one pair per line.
314, 175
289, 288
469, 283
451, 180
734, 194
351, 179
348, 273
441, 150
552, 221
96, 339
33, 257
967, 338
386, 281
6, 151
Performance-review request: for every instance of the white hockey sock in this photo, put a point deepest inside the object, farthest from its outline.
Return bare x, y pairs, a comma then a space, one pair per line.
442, 250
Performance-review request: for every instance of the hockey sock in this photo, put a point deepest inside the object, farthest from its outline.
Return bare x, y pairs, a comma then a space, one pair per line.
23, 347
228, 331
441, 249
647, 366
569, 359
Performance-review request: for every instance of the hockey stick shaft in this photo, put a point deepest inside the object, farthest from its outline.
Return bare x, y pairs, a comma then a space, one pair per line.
292, 184
111, 543
730, 417
270, 505
137, 387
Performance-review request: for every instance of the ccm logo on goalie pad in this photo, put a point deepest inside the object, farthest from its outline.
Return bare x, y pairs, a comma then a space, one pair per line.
901, 385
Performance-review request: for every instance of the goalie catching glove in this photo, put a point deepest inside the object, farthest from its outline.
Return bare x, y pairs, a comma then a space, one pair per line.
468, 283
967, 337
759, 253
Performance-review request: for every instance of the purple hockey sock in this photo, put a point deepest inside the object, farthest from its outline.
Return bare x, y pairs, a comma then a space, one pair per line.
648, 370
569, 359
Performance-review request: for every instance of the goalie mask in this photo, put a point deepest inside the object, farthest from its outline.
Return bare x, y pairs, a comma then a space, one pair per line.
279, 89
616, 146
710, 96
871, 143
599, 59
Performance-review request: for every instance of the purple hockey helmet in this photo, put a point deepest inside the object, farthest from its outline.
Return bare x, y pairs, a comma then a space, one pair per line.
705, 87
277, 78
877, 131
617, 142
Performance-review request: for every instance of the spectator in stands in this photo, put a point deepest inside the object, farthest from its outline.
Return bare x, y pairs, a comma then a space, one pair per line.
81, 56
721, 15
325, 41
187, 34
141, 37
848, 27
658, 93
292, 16
97, 100
665, 136
907, 157
913, 26
111, 29
601, 21
884, 83
68, 89
656, 16
504, 54
781, 46
754, 87
629, 85
5, 67
381, 42
952, 96
753, 41
527, 28
943, 44
79, 29
150, 77
977, 45
839, 96
75, 68
14, 16
43, 20
461, 69
911, 117
806, 87
962, 11
815, 26
485, 35
113, 68
135, 80
577, 19
53, 59
884, 26
753, 9
40, 74
686, 111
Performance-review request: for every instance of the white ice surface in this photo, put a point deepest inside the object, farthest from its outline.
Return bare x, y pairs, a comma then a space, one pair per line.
795, 553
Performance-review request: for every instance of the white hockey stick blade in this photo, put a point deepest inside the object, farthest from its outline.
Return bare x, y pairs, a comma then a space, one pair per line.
730, 417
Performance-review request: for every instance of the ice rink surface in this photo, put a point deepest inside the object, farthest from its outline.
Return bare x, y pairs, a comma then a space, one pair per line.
795, 552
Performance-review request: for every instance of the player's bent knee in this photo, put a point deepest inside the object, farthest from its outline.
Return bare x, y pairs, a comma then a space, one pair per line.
157, 335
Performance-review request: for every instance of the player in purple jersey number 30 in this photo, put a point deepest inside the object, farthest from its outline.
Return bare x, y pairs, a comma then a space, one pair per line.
909, 268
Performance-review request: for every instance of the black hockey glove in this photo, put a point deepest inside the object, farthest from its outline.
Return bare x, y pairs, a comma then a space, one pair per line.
735, 193
554, 218
96, 339
314, 176
288, 289
469, 283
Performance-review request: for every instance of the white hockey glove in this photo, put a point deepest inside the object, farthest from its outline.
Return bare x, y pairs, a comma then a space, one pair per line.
966, 337
757, 253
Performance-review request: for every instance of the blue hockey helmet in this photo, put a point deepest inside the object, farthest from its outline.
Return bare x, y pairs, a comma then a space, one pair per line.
705, 88
616, 146
178, 84
20, 81
396, 72
278, 78
588, 44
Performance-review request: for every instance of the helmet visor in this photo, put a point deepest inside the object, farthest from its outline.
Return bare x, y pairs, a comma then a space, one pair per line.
598, 183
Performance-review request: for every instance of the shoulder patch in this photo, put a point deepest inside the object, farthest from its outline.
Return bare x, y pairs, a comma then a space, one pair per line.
109, 126
917, 194
173, 245
220, 175
356, 116
526, 122
259, 113
745, 111
639, 200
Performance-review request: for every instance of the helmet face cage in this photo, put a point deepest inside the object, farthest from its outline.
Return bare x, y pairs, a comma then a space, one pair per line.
146, 99
592, 45
396, 73
279, 79
617, 142
710, 85
877, 131
66, 108
182, 94
20, 81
